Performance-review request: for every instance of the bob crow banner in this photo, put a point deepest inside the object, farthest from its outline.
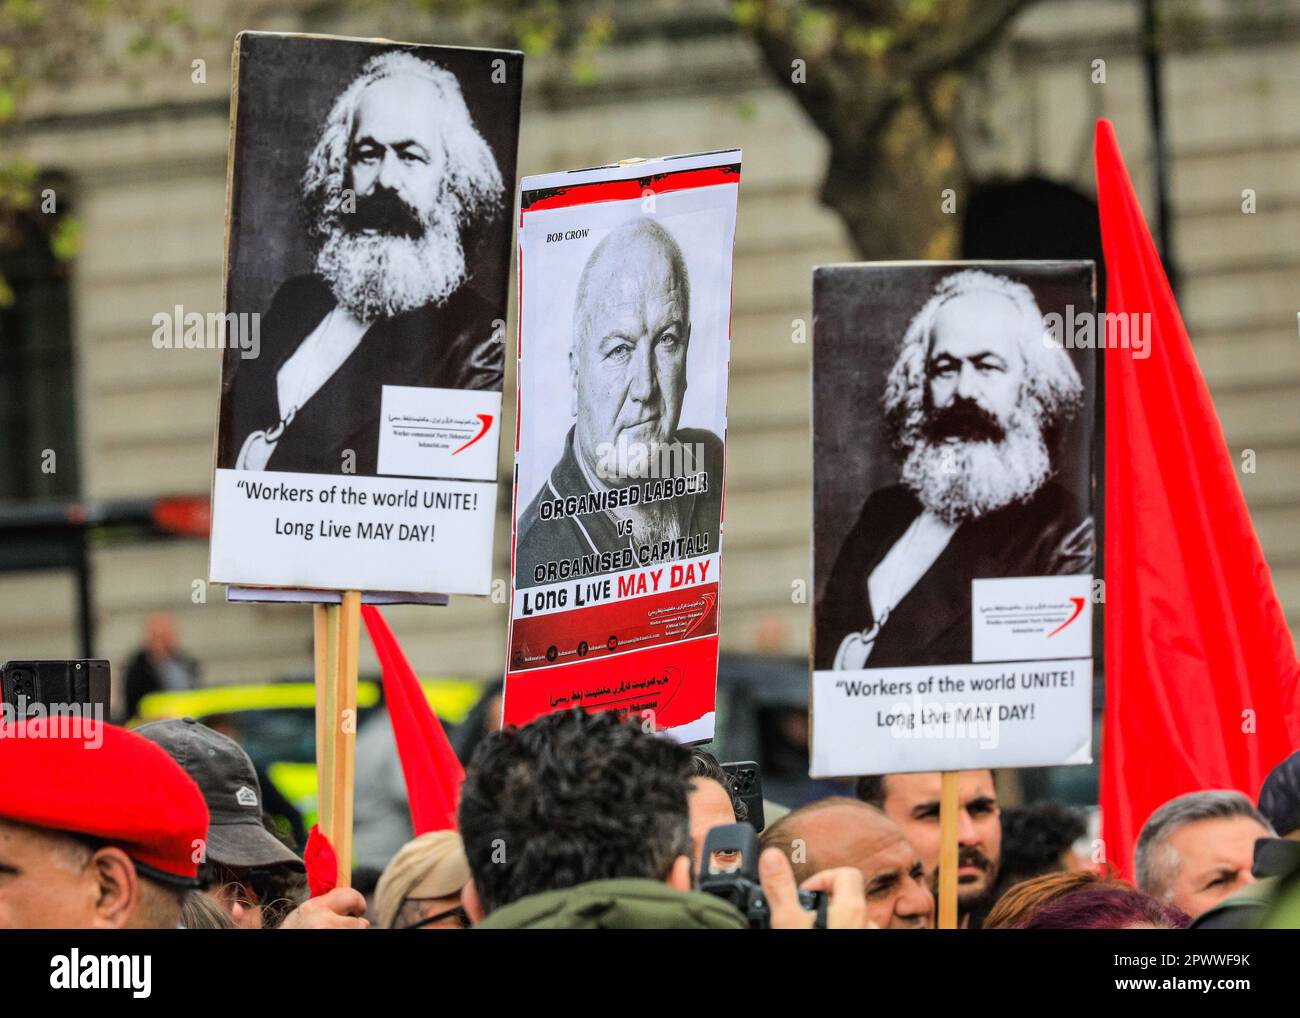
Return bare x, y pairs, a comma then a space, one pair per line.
624, 343
368, 249
953, 516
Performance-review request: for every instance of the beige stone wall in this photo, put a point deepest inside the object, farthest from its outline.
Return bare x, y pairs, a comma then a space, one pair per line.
1233, 124
150, 192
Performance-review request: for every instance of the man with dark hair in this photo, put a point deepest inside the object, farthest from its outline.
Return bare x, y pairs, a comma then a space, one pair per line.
912, 802
712, 804
705, 765
871, 789
581, 821
1037, 838
839, 831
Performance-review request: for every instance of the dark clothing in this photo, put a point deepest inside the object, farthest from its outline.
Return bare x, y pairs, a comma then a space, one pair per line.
628, 904
1279, 798
570, 537
1276, 857
1279, 858
143, 678
1245, 910
449, 346
1046, 536
1277, 869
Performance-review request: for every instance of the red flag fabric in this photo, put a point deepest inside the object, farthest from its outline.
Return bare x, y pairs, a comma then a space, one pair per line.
432, 771
322, 863
1201, 672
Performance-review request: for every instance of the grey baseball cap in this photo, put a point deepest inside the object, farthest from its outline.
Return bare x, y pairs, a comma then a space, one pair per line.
229, 784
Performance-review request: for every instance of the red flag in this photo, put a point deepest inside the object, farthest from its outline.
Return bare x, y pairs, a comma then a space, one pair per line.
433, 773
1201, 672
321, 862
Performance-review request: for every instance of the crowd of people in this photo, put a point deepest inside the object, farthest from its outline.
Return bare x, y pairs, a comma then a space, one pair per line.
584, 820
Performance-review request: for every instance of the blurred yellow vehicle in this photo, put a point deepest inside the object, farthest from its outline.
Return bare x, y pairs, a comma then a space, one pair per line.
275, 723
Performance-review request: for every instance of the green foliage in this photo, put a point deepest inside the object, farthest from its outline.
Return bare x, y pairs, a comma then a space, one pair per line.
880, 84
571, 33
65, 238
46, 46
17, 192
871, 61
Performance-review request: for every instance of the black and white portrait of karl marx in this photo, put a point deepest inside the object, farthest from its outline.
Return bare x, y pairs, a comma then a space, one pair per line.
397, 181
969, 408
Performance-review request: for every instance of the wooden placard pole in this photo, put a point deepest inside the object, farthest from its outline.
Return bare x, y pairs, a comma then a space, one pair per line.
337, 632
948, 806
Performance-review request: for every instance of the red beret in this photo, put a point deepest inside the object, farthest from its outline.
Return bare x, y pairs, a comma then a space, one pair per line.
95, 779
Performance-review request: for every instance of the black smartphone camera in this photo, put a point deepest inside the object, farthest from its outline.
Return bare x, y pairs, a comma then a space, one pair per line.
729, 870
747, 785
28, 685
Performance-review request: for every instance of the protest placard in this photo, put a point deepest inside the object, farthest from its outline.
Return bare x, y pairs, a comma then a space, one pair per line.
953, 516
368, 248
624, 344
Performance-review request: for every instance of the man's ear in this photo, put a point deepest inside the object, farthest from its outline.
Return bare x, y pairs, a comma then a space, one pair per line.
118, 888
679, 877
470, 901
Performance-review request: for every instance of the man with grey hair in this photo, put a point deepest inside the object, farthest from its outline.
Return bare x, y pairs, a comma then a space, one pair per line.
605, 505
1197, 849
398, 174
971, 404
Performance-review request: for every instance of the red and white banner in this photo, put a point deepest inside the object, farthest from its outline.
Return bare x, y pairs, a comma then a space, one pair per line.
624, 345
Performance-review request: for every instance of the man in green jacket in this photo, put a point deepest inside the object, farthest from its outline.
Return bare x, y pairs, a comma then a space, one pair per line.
580, 821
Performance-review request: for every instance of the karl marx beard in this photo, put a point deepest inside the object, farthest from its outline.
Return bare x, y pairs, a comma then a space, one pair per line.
962, 461
388, 257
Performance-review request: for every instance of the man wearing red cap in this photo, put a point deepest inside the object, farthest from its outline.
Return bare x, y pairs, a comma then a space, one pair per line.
100, 830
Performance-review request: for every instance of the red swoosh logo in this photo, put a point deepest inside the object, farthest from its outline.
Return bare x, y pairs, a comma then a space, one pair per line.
486, 420
1078, 607
708, 600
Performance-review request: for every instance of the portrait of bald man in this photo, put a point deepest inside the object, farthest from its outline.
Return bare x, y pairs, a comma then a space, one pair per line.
839, 831
627, 381
398, 178
971, 406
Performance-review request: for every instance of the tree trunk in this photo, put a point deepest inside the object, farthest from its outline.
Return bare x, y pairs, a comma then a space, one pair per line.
893, 190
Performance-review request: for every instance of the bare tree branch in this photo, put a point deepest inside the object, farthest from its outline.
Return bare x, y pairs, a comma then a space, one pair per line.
967, 40
820, 95
872, 88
